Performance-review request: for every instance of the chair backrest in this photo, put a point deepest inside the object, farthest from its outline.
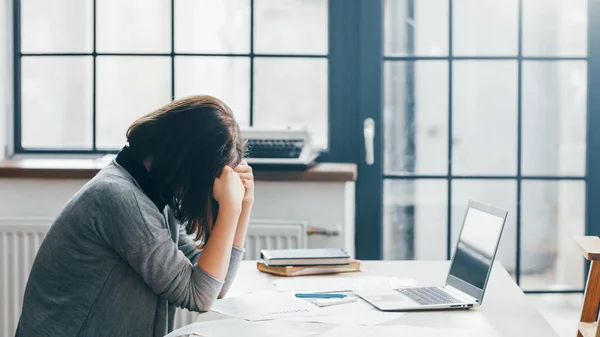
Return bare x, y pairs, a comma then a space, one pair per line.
590, 248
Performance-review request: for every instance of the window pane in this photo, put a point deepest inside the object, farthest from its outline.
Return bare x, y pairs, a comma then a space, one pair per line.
291, 27
416, 27
554, 117
56, 26
415, 218
227, 78
203, 26
133, 26
555, 27
56, 102
292, 92
126, 89
416, 117
484, 112
552, 213
485, 27
498, 193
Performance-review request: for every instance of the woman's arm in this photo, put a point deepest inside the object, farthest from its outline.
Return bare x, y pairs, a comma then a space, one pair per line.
165, 268
242, 227
229, 192
137, 231
237, 251
217, 251
245, 172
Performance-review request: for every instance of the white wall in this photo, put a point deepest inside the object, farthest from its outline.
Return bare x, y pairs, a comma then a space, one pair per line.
327, 205
5, 73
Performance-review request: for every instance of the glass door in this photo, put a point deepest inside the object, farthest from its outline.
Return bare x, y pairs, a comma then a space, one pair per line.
483, 100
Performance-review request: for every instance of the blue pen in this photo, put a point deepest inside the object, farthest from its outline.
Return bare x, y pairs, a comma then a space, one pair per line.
321, 295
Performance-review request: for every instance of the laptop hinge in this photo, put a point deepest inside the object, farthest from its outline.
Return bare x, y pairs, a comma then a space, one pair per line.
460, 293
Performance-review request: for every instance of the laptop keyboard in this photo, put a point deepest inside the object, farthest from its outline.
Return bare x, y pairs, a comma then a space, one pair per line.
429, 296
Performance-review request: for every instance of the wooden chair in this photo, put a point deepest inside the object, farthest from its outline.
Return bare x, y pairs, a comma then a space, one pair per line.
588, 326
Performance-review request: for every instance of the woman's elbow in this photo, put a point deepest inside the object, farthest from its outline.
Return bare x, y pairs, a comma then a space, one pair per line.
223, 291
205, 298
202, 304
204, 308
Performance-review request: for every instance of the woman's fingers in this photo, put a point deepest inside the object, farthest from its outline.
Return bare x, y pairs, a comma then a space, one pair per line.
243, 168
245, 171
247, 176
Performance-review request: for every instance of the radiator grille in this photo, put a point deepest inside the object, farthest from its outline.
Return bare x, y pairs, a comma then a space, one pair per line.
274, 235
18, 246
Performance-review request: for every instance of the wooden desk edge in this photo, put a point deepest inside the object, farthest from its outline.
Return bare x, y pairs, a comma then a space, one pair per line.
25, 168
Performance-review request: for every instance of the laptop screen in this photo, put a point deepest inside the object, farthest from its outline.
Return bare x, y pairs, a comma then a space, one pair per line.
476, 247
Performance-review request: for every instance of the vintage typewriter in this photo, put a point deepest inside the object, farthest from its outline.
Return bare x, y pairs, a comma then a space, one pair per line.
279, 148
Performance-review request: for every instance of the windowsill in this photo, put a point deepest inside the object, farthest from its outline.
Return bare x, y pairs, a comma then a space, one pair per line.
86, 168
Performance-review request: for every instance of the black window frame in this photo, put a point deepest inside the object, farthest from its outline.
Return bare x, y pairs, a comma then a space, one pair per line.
369, 225
336, 61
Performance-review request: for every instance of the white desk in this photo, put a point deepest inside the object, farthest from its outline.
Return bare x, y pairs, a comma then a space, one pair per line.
505, 308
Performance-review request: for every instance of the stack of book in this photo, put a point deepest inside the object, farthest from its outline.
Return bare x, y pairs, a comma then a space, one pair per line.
300, 262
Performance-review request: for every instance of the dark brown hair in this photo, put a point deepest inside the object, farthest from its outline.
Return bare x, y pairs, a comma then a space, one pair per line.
189, 141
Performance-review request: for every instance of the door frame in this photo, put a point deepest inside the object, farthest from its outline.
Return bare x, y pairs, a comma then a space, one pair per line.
369, 187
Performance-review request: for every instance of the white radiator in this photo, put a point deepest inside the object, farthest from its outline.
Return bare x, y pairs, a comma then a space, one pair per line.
19, 242
20, 239
274, 234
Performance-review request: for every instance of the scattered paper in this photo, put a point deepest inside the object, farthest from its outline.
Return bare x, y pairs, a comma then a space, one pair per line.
255, 308
238, 327
327, 302
336, 283
357, 313
395, 331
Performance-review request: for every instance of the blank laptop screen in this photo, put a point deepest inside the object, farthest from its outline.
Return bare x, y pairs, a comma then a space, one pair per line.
476, 247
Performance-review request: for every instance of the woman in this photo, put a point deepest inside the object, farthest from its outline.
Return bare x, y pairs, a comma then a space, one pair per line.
118, 258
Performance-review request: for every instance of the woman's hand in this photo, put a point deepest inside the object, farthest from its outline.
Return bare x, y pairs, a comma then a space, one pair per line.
229, 190
245, 172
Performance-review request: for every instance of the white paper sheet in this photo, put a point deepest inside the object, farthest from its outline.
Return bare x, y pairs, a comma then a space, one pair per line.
236, 327
255, 308
336, 283
395, 331
358, 313
327, 302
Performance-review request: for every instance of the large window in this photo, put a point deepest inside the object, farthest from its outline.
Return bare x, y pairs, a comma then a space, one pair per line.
85, 69
487, 100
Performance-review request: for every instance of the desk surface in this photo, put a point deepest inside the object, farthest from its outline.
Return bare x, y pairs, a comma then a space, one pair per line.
504, 310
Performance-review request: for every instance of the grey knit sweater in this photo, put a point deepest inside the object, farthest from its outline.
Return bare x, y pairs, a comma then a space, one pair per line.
112, 264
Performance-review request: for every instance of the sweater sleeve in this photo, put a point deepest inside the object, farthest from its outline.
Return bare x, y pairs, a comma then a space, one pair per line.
189, 248
138, 233
172, 276
234, 264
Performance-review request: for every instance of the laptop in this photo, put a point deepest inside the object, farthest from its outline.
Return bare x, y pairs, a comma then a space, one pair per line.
469, 271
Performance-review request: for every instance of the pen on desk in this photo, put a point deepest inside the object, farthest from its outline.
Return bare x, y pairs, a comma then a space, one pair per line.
320, 295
